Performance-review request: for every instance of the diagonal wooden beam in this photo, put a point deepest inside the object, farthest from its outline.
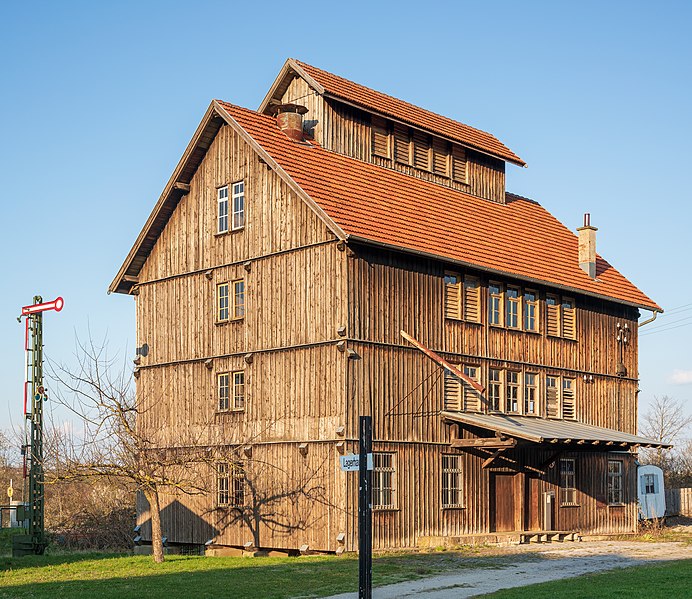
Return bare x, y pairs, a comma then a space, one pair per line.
492, 458
442, 362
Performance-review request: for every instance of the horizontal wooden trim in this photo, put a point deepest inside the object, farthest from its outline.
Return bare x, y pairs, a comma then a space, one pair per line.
487, 443
477, 358
206, 269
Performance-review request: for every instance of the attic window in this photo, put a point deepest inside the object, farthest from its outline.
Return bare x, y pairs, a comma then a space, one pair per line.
380, 137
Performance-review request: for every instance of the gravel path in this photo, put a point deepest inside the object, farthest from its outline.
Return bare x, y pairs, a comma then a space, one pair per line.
534, 564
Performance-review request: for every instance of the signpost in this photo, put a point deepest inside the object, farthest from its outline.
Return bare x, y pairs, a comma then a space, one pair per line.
365, 509
34, 541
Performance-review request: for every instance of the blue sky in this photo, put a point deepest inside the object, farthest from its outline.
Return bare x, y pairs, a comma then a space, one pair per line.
98, 101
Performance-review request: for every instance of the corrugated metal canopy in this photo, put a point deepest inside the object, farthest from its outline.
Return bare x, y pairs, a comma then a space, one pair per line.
542, 430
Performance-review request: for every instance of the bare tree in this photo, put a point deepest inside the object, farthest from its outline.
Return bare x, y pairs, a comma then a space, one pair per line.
664, 421
111, 445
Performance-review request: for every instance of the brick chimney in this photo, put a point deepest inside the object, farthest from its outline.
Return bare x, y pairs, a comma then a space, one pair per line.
587, 247
289, 118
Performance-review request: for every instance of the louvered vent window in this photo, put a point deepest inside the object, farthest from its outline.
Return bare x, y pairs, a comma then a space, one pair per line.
568, 318
440, 158
552, 316
380, 137
552, 398
472, 299
459, 164
402, 145
452, 296
421, 150
452, 397
471, 398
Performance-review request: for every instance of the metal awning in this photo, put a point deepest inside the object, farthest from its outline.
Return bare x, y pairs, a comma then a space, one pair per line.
543, 430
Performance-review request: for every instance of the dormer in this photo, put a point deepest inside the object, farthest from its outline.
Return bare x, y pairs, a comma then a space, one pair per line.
365, 124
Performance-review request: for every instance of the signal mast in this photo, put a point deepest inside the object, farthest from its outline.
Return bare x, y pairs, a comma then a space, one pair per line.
34, 542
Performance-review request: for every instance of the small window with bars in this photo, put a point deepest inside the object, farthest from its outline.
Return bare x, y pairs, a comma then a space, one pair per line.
615, 489
452, 494
568, 486
383, 481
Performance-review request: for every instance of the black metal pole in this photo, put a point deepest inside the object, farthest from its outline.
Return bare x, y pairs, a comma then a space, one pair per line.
365, 511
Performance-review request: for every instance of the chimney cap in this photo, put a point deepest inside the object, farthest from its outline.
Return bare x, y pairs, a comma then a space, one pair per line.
275, 109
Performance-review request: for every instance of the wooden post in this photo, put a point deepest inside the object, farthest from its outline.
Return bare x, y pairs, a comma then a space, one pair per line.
365, 511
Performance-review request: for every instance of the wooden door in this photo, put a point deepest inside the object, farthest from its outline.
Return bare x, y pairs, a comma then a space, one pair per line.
532, 518
503, 503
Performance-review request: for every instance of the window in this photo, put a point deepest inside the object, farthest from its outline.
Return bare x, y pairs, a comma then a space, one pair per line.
452, 392
383, 481
380, 137
495, 389
649, 484
451, 481
237, 494
471, 397
222, 302
513, 303
239, 390
512, 387
568, 491
239, 298
452, 296
421, 150
530, 311
440, 157
222, 383
222, 481
531, 393
615, 482
568, 318
552, 316
552, 398
472, 299
238, 205
222, 209
568, 404
495, 304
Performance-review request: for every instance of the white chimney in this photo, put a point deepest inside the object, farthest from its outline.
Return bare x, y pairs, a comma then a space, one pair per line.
587, 247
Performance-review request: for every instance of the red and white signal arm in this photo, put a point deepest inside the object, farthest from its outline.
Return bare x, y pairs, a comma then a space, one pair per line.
57, 305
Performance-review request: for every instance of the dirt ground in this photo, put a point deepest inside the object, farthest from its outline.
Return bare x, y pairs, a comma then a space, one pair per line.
519, 565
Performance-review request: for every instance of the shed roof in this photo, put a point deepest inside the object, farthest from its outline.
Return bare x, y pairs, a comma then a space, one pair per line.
371, 100
542, 430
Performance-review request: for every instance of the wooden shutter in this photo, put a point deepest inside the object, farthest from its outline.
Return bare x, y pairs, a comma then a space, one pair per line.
568, 318
551, 397
568, 403
401, 145
421, 150
471, 397
380, 137
440, 158
452, 399
452, 296
472, 299
459, 164
552, 323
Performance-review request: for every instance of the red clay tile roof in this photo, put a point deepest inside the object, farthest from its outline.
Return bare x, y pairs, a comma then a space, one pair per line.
409, 113
519, 238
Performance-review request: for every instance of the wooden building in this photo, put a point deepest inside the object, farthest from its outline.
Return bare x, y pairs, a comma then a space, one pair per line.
287, 253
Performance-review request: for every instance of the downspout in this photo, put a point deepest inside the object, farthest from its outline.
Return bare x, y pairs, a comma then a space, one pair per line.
655, 314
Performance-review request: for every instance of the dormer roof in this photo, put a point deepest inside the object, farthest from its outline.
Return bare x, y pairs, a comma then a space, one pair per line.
330, 85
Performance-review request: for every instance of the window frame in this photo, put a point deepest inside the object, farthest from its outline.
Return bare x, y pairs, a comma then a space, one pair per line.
568, 482
513, 308
223, 401
612, 487
471, 282
222, 485
453, 280
499, 385
448, 473
220, 307
533, 304
515, 386
499, 309
222, 201
535, 387
563, 388
235, 405
238, 314
380, 473
237, 195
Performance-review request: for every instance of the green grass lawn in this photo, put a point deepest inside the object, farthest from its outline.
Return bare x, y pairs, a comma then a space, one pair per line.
96, 576
670, 580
